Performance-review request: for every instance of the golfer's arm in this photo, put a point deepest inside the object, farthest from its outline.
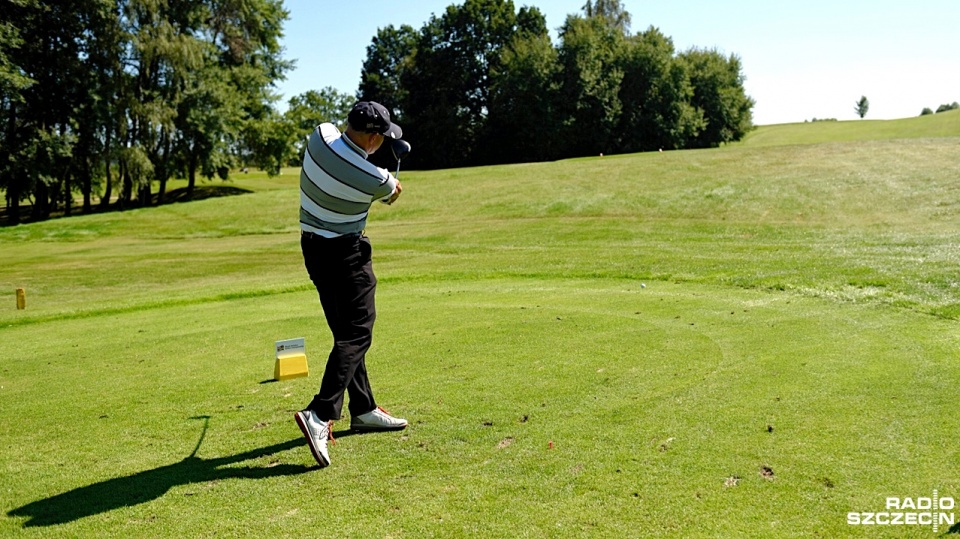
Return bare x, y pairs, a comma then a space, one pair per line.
394, 193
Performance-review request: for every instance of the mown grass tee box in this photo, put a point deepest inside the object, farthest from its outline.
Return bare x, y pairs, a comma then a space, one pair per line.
789, 362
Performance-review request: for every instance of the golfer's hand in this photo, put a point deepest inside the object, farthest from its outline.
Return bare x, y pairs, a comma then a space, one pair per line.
396, 194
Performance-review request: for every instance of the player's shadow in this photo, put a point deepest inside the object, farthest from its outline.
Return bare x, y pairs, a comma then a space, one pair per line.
149, 485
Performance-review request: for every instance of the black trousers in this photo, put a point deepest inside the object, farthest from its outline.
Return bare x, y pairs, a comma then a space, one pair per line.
342, 271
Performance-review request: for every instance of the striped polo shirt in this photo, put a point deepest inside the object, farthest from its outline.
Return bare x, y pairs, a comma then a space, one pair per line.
338, 184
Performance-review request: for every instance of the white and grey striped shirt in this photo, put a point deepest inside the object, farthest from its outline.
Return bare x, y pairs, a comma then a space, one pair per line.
338, 184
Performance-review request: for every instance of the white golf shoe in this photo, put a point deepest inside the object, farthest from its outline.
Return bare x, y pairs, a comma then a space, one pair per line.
378, 419
317, 432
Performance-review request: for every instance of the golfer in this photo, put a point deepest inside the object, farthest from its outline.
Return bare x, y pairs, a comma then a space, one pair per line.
337, 187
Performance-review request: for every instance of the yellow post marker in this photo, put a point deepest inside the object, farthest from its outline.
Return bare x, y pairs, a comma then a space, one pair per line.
21, 299
291, 360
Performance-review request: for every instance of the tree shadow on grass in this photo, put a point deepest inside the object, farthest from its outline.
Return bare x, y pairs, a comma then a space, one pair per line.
199, 192
149, 485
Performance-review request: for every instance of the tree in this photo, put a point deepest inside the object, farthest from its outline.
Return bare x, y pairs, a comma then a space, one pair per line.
247, 34
12, 77
862, 106
308, 110
611, 12
718, 93
39, 125
166, 57
208, 116
97, 113
945, 108
495, 79
523, 122
231, 95
656, 93
270, 144
389, 56
448, 86
143, 89
13, 83
589, 86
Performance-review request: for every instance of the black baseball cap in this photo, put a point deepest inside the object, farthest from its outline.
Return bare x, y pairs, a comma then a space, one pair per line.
373, 117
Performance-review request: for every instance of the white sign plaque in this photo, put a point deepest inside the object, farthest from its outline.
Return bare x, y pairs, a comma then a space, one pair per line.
291, 347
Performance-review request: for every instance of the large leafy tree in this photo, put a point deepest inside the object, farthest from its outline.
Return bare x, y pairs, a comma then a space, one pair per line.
719, 94
448, 86
389, 55
655, 92
269, 143
13, 82
39, 125
482, 83
248, 37
167, 53
228, 102
125, 93
611, 12
590, 85
208, 117
309, 109
96, 115
523, 112
12, 78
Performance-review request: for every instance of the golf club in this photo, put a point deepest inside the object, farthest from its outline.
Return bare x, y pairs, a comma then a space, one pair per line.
400, 149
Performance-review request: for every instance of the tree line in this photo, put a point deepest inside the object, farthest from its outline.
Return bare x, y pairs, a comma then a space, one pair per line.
112, 98
942, 108
483, 83
109, 99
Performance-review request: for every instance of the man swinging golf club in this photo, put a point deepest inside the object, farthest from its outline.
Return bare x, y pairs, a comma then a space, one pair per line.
337, 187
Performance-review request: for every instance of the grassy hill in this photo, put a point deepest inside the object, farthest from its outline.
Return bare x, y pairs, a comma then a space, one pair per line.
944, 124
753, 341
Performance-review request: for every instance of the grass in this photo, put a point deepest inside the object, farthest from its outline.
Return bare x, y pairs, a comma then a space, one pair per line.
745, 342
943, 124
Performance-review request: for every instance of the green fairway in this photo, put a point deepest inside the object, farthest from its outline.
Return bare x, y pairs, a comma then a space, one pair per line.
753, 341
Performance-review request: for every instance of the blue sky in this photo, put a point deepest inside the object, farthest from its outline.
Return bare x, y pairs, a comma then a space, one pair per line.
802, 60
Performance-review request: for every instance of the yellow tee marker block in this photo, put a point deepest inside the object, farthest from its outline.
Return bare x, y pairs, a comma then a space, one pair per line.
291, 360
290, 367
